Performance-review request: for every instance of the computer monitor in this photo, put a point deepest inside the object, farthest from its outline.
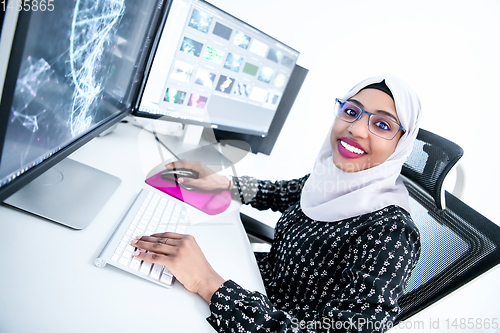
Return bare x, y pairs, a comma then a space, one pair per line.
214, 70
68, 71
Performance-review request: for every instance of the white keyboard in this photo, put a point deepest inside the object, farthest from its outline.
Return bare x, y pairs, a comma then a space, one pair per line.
150, 213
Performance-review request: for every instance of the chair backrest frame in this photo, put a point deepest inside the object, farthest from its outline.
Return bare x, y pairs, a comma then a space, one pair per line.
424, 182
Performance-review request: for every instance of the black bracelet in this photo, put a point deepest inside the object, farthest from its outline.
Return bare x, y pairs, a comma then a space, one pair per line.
229, 186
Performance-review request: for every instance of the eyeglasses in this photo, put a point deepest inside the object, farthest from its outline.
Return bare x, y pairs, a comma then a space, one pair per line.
381, 126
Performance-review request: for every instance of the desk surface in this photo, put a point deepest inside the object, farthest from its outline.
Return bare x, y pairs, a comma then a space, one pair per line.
48, 280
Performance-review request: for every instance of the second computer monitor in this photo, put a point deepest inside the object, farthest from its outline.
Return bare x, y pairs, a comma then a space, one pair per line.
214, 70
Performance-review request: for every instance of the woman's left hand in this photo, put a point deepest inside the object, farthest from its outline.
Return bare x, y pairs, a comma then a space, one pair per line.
183, 257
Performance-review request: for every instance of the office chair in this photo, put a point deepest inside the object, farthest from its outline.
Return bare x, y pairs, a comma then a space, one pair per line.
458, 243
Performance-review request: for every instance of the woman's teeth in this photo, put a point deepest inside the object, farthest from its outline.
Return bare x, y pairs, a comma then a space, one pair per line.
351, 148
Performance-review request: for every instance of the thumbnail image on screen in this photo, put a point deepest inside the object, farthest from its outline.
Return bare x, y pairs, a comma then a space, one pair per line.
191, 46
287, 61
225, 84
182, 71
241, 39
174, 96
274, 55
200, 21
242, 89
272, 98
197, 101
233, 62
280, 80
258, 94
258, 48
266, 74
205, 78
250, 69
222, 31
214, 55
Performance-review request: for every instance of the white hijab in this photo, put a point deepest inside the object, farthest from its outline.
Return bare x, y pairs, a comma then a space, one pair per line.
331, 194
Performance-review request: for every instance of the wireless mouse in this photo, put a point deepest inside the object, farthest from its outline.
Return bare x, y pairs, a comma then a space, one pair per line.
174, 174
179, 173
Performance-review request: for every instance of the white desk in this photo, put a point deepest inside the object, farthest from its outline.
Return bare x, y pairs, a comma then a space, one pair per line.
48, 281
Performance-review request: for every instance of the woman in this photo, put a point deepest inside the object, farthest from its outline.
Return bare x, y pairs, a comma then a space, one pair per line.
345, 245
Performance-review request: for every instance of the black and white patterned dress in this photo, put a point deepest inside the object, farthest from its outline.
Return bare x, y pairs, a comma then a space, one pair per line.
343, 276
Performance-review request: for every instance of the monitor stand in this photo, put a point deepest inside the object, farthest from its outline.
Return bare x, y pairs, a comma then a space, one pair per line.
69, 193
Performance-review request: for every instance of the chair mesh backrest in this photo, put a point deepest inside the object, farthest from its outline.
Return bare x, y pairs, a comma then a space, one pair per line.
430, 161
458, 243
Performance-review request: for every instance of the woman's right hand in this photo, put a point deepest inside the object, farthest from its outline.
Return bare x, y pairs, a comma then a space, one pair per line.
207, 180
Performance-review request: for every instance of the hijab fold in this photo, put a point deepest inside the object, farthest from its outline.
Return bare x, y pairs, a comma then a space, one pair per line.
331, 194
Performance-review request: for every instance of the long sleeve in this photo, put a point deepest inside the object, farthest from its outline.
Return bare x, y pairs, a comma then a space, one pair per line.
265, 194
351, 283
235, 309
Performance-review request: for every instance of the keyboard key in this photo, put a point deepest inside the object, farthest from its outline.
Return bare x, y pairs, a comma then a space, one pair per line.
124, 261
146, 267
135, 264
156, 271
127, 255
166, 278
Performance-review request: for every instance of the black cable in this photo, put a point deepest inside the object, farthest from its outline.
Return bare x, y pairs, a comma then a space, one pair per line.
156, 138
164, 145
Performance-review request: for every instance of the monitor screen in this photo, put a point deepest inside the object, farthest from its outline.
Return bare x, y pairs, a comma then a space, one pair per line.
69, 70
214, 70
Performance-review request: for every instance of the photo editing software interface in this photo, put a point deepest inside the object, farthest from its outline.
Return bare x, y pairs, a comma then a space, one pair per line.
75, 74
214, 70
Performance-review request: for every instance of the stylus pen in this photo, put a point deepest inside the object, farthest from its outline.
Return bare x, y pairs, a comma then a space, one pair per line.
221, 156
164, 145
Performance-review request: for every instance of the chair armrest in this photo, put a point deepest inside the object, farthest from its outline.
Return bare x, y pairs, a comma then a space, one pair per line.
257, 229
459, 188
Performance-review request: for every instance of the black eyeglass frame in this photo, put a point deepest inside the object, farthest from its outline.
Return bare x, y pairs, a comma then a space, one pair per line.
370, 114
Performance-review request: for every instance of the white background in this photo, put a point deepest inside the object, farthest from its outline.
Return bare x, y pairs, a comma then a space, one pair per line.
448, 51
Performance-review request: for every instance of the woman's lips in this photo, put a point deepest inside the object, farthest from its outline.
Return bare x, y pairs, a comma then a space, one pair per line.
349, 149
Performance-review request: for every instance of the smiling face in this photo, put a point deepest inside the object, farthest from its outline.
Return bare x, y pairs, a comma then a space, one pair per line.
354, 147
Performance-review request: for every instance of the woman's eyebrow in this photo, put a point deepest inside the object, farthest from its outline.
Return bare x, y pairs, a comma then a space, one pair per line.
356, 102
386, 113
